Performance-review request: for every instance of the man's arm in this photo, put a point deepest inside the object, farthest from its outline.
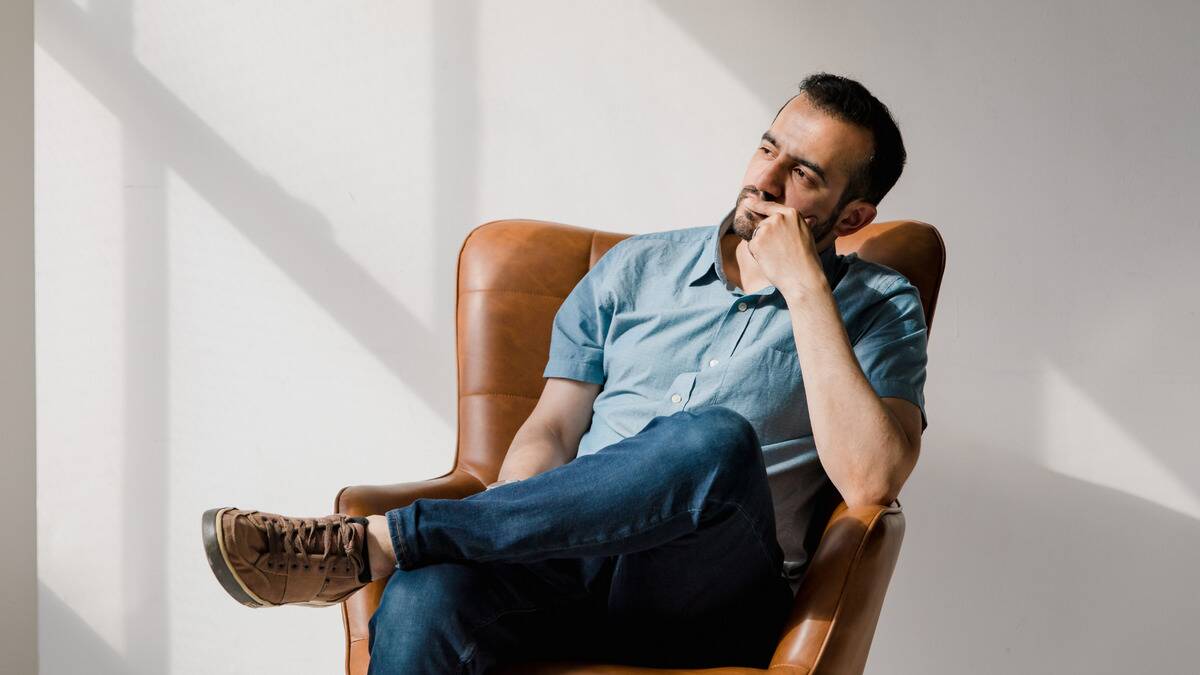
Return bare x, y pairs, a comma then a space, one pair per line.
550, 436
868, 445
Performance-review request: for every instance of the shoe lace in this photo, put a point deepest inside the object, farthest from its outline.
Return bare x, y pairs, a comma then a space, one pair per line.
298, 540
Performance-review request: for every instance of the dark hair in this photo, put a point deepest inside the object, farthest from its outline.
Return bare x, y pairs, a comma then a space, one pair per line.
849, 101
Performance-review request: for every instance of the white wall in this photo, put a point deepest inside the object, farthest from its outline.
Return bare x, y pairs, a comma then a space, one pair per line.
248, 217
18, 559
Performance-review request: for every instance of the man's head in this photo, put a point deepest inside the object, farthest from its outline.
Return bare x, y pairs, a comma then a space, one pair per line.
832, 152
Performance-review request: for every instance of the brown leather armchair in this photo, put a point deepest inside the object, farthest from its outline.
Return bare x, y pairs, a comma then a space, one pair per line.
512, 277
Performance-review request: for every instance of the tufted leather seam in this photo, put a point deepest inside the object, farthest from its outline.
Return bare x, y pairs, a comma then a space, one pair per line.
489, 393
506, 290
858, 554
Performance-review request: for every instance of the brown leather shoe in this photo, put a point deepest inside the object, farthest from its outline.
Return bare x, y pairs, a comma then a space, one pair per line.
266, 560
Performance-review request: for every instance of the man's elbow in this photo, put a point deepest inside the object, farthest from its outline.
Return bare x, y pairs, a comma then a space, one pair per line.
881, 487
870, 497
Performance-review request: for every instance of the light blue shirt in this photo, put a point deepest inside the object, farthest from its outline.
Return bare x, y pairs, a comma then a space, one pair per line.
660, 326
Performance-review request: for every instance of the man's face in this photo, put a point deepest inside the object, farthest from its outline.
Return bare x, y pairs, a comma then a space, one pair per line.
805, 161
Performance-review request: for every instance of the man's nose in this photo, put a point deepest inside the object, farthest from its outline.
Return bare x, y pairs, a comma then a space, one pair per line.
769, 182
767, 195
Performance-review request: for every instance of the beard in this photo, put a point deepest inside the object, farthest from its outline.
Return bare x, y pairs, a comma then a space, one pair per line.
745, 220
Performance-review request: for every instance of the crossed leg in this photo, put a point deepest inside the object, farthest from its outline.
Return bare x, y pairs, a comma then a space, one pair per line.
657, 550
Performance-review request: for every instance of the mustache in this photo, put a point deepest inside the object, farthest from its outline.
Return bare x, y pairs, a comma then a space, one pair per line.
748, 191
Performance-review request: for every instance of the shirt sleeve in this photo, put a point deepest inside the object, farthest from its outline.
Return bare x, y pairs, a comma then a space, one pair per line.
892, 350
581, 324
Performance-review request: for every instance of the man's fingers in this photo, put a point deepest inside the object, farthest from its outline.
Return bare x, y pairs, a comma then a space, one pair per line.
766, 208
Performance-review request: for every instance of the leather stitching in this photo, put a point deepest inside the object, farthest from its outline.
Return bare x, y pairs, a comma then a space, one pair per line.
501, 394
506, 290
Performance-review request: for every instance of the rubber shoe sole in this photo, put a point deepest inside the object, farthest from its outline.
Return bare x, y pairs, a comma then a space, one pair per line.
218, 560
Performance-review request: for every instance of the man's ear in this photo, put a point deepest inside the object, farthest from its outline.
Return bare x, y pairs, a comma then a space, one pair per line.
855, 216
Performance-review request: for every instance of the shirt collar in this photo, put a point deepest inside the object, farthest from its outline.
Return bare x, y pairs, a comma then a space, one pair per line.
709, 261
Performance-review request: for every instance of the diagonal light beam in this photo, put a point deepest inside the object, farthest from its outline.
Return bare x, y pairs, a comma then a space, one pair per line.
289, 231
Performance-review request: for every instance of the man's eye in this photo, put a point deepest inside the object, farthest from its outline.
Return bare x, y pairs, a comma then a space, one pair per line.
800, 173
764, 151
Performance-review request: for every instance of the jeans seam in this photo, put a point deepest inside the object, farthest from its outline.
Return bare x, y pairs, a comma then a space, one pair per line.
397, 540
762, 546
464, 659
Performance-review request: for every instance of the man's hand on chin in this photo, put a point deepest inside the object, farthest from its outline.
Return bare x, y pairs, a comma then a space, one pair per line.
783, 247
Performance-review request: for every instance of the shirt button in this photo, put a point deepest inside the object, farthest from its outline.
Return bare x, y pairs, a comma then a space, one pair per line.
676, 398
742, 306
713, 363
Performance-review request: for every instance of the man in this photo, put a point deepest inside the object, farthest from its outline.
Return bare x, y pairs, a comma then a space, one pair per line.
709, 390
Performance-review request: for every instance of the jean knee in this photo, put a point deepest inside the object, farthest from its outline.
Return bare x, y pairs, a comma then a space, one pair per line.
706, 438
726, 420
727, 436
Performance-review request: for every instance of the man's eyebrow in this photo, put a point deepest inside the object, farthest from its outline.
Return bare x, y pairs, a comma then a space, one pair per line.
813, 166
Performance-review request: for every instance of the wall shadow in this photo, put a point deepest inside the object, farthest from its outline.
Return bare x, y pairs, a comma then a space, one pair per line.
73, 647
457, 131
997, 535
288, 231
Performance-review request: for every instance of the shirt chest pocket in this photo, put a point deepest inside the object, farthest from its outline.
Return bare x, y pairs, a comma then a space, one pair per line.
766, 384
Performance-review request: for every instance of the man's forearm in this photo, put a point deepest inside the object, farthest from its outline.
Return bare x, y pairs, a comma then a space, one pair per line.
862, 447
534, 449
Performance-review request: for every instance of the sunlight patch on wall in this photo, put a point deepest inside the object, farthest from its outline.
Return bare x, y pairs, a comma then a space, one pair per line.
1082, 441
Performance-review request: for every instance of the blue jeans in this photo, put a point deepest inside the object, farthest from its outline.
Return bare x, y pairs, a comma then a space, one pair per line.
658, 550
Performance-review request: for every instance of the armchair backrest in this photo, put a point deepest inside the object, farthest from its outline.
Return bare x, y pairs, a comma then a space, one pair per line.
512, 277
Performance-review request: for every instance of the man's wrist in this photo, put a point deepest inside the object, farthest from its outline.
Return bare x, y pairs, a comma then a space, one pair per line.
799, 291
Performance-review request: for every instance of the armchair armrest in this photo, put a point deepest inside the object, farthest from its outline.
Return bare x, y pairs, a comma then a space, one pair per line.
838, 604
367, 500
